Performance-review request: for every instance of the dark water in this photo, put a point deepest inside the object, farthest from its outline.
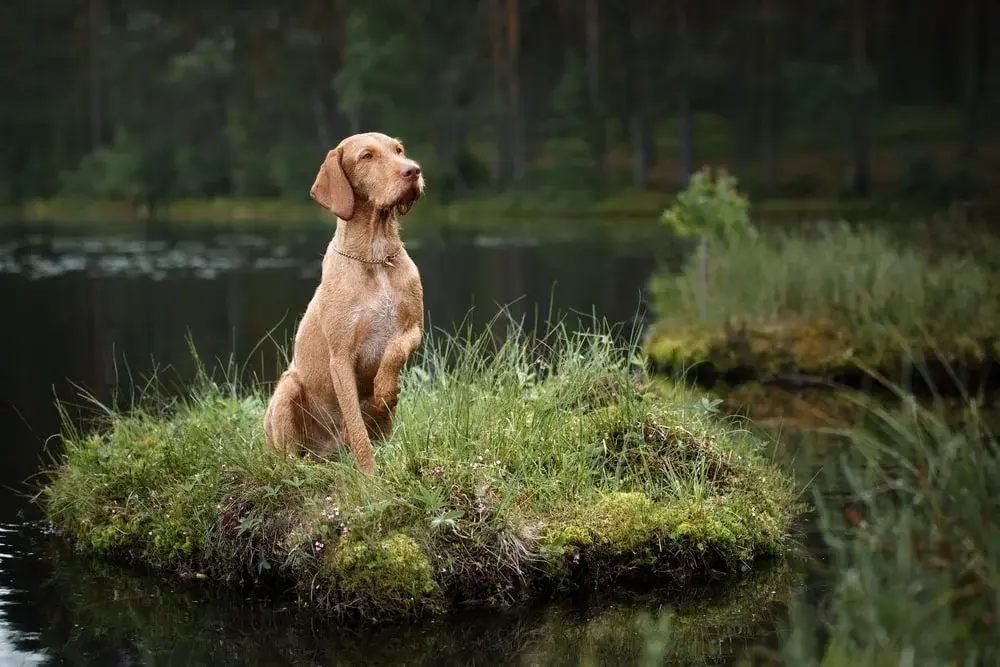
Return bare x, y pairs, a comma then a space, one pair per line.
95, 310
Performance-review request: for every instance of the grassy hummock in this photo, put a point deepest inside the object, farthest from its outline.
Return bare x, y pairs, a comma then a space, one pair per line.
514, 468
822, 305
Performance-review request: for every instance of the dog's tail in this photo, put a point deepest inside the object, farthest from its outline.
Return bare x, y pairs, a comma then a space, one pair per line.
284, 419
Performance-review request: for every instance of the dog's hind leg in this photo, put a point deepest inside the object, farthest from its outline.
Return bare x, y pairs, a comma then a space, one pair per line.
284, 419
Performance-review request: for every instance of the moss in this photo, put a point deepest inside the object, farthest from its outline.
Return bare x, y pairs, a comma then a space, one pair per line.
821, 350
627, 522
561, 546
816, 347
392, 574
632, 530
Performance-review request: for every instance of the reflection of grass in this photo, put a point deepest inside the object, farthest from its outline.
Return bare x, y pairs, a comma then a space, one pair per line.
822, 408
696, 630
780, 408
160, 622
914, 545
507, 471
816, 304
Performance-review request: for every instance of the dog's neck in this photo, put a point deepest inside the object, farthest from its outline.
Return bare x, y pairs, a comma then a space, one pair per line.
371, 234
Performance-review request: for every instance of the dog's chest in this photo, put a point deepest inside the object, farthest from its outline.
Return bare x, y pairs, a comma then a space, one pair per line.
377, 319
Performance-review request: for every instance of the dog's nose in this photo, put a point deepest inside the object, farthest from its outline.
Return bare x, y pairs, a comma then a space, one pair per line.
410, 171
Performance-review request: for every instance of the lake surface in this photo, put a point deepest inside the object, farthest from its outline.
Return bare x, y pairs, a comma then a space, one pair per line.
96, 310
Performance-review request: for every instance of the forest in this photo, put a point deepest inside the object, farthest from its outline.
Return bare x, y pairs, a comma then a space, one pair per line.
147, 100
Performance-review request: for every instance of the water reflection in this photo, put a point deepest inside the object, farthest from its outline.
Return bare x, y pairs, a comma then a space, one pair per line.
206, 256
93, 613
99, 311
18, 645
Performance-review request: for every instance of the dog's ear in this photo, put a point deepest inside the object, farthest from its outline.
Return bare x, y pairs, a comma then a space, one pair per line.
332, 189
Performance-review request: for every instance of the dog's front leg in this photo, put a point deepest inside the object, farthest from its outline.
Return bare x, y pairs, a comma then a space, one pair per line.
345, 385
399, 349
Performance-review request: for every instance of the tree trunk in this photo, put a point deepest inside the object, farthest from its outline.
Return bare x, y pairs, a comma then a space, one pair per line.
686, 113
972, 66
516, 114
319, 113
592, 20
597, 118
684, 108
96, 20
641, 155
742, 102
640, 127
770, 96
501, 160
862, 167
991, 70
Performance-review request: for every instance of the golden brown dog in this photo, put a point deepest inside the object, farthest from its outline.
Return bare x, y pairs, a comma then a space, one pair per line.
367, 315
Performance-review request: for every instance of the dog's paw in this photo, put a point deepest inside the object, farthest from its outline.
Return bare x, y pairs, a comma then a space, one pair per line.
386, 394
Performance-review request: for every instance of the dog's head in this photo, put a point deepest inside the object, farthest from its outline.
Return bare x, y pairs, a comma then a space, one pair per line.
372, 168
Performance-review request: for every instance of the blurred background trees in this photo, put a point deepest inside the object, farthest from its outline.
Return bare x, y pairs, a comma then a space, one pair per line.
150, 100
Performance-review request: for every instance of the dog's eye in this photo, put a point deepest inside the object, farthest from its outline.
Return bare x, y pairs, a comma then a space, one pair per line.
367, 156
399, 150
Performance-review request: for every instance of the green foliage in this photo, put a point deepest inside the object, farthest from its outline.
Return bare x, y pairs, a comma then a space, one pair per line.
112, 172
211, 57
824, 92
569, 99
924, 181
372, 61
572, 148
913, 542
485, 490
219, 94
710, 206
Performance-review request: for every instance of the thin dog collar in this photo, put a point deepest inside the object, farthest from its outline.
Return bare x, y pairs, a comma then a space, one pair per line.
387, 260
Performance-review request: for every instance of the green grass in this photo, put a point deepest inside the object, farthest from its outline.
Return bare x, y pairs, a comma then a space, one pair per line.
908, 512
513, 467
815, 301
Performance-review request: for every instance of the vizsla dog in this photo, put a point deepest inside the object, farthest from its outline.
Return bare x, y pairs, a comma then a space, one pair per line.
367, 315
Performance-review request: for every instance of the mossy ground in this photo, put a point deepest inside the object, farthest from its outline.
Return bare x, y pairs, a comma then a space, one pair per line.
811, 352
541, 463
